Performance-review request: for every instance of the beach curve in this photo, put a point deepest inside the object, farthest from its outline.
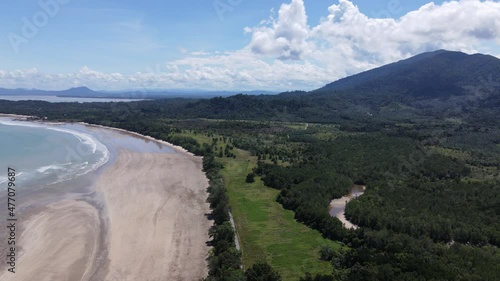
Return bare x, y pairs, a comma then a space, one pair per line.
150, 224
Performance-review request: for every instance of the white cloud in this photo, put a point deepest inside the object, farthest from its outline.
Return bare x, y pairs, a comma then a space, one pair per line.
225, 71
285, 53
200, 53
247, 30
348, 41
285, 37
362, 41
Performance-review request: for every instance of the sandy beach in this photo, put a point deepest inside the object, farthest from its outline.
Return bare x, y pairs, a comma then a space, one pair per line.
144, 218
60, 243
157, 214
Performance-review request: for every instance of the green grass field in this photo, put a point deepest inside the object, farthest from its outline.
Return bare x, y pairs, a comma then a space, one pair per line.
267, 232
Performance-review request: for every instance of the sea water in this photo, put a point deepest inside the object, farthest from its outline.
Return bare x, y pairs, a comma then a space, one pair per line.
44, 154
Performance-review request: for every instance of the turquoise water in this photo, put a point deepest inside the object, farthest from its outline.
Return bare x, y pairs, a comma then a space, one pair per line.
45, 154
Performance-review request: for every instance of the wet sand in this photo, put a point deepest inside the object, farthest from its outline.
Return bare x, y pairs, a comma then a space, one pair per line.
158, 227
337, 206
144, 218
60, 243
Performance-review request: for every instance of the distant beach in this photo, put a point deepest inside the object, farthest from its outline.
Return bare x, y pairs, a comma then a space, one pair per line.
139, 215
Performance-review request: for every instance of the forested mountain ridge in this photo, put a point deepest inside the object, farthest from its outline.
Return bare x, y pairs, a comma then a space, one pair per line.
429, 75
441, 84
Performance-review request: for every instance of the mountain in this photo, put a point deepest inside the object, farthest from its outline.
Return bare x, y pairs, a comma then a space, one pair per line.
440, 84
438, 74
22, 92
78, 92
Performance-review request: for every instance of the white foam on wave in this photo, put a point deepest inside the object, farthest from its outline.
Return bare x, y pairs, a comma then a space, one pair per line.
83, 138
74, 170
56, 167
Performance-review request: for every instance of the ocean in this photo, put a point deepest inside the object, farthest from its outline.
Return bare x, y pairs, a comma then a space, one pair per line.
44, 154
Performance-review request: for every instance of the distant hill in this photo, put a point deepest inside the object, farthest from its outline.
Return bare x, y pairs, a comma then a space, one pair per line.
73, 92
23, 92
78, 92
84, 92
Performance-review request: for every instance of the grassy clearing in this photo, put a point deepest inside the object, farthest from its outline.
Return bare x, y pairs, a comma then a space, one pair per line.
455, 153
266, 230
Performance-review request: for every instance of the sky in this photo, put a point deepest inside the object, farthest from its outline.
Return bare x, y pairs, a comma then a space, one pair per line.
232, 45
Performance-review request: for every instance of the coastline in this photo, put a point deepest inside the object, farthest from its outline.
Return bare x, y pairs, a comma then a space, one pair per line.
25, 117
175, 147
144, 218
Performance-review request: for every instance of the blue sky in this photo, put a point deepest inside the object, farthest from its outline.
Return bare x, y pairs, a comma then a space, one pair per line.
190, 44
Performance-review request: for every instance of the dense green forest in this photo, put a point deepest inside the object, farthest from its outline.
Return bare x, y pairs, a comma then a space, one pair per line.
429, 156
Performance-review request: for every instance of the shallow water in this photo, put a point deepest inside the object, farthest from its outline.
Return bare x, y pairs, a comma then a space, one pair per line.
337, 206
43, 154
46, 154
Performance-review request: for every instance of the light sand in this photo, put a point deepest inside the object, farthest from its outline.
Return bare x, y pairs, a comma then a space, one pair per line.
151, 225
14, 116
174, 147
157, 213
60, 243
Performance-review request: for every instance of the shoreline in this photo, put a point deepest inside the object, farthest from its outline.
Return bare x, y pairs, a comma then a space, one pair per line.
108, 162
176, 147
14, 115
125, 219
